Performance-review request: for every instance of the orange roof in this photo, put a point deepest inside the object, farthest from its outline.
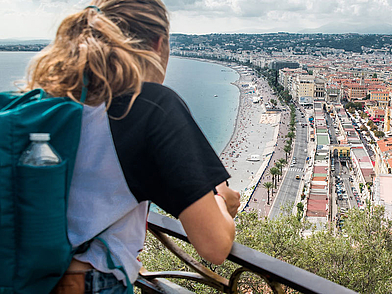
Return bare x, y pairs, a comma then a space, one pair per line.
319, 179
389, 162
385, 144
380, 92
379, 111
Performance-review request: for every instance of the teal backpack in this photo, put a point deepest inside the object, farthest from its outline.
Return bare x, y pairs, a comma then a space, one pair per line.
34, 247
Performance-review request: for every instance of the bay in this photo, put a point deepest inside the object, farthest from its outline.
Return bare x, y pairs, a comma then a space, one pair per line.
205, 87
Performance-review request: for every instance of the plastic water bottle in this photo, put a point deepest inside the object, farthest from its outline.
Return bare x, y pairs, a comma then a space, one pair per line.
39, 152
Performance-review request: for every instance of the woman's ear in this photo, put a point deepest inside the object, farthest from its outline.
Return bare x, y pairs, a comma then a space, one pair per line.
157, 46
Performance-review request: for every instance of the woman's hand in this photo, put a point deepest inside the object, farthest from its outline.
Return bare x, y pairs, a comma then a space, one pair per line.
209, 223
210, 227
231, 196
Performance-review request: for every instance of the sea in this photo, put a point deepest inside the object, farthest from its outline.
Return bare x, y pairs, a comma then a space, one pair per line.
206, 88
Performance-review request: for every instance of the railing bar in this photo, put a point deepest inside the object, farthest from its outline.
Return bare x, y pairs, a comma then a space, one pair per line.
181, 275
283, 272
216, 280
148, 286
258, 262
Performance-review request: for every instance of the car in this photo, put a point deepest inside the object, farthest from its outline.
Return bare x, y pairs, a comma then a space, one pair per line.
297, 177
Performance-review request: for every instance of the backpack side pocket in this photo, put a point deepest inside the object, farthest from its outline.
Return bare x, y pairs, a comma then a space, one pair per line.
44, 251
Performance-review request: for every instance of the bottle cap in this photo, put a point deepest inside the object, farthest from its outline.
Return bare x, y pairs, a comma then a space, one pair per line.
39, 137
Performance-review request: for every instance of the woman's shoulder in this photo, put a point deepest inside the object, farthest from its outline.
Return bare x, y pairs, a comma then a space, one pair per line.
154, 99
161, 96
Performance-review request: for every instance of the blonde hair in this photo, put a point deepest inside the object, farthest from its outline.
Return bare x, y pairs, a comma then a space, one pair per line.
111, 44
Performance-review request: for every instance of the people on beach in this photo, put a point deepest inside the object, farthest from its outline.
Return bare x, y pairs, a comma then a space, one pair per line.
139, 142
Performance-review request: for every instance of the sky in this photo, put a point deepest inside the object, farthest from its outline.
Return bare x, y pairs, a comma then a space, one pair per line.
38, 19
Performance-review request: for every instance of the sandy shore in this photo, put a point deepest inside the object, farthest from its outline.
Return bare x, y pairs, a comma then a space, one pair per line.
255, 134
247, 154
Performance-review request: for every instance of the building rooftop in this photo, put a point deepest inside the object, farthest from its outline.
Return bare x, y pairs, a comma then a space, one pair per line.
385, 144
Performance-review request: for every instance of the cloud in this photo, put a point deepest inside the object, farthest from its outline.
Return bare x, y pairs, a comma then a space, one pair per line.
33, 18
41, 17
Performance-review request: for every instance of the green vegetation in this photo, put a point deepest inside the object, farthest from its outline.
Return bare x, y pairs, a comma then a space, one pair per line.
357, 258
300, 210
364, 115
287, 149
301, 44
356, 105
379, 134
374, 128
269, 187
290, 135
363, 128
274, 171
283, 163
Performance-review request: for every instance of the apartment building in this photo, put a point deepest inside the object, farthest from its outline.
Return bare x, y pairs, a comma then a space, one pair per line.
381, 97
287, 76
355, 91
304, 87
319, 89
383, 152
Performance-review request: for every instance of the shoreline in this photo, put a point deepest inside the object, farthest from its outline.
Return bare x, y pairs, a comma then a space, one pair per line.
255, 132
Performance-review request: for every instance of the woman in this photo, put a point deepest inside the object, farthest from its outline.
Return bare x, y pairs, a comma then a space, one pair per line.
138, 142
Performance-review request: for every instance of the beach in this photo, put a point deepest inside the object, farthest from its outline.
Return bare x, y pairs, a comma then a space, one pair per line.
255, 143
252, 145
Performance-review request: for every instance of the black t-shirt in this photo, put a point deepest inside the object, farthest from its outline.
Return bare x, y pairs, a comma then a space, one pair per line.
163, 153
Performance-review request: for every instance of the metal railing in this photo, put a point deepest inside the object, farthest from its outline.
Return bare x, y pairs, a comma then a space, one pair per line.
274, 272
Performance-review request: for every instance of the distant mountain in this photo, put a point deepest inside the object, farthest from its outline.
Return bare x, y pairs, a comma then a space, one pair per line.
257, 31
331, 28
23, 42
342, 28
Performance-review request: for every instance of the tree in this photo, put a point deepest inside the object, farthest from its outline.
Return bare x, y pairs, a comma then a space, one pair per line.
274, 173
363, 128
292, 129
283, 163
279, 166
358, 257
300, 210
290, 135
370, 123
268, 186
287, 149
379, 134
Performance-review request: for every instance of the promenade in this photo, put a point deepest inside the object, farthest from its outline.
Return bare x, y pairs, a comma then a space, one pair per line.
250, 138
258, 134
259, 200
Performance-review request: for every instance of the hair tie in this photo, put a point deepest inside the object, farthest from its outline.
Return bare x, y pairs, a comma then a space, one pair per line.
96, 8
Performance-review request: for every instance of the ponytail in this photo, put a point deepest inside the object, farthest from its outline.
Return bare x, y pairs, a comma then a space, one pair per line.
111, 42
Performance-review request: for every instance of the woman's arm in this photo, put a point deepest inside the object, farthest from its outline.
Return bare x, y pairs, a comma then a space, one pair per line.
210, 226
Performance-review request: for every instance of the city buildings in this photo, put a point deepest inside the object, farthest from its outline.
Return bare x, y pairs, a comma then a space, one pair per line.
325, 78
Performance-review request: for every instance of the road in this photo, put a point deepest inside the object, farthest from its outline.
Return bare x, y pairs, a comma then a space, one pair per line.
331, 130
289, 188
